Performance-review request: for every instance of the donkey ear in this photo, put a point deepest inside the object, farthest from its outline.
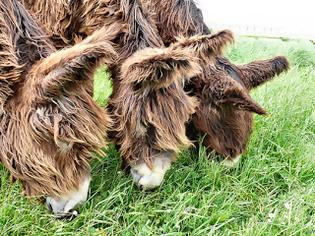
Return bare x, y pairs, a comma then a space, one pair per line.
77, 63
159, 67
206, 46
259, 72
240, 99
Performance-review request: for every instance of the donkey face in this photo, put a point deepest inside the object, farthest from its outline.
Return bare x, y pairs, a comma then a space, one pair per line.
50, 124
225, 113
152, 110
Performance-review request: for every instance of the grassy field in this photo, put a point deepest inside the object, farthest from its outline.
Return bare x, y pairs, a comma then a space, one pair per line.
270, 192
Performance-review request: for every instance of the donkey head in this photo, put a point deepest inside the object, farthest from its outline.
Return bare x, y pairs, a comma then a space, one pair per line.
231, 114
225, 111
49, 124
152, 109
57, 97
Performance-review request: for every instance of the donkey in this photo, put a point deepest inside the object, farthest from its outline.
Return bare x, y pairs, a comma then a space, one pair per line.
49, 124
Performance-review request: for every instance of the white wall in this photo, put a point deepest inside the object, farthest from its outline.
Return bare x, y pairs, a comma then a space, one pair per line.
292, 18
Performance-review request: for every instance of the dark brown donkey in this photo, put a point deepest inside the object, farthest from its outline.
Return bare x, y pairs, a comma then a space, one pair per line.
49, 124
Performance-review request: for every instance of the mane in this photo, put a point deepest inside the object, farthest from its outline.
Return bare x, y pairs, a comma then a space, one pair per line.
142, 30
176, 18
30, 42
67, 13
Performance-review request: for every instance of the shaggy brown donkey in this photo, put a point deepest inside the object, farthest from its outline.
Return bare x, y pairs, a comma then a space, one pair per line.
226, 122
49, 124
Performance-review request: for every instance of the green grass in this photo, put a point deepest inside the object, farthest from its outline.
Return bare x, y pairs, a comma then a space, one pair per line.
271, 192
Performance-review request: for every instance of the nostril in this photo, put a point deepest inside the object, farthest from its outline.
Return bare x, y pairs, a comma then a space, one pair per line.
74, 212
48, 205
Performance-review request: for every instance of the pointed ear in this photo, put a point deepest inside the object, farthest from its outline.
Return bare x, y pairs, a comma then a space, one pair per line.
259, 72
158, 68
77, 63
240, 99
206, 46
224, 91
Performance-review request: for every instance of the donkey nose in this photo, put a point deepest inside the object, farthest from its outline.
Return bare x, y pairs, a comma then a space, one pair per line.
67, 215
49, 207
57, 207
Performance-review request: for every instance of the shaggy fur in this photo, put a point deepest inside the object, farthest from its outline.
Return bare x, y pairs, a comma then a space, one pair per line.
175, 18
81, 18
49, 123
68, 14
